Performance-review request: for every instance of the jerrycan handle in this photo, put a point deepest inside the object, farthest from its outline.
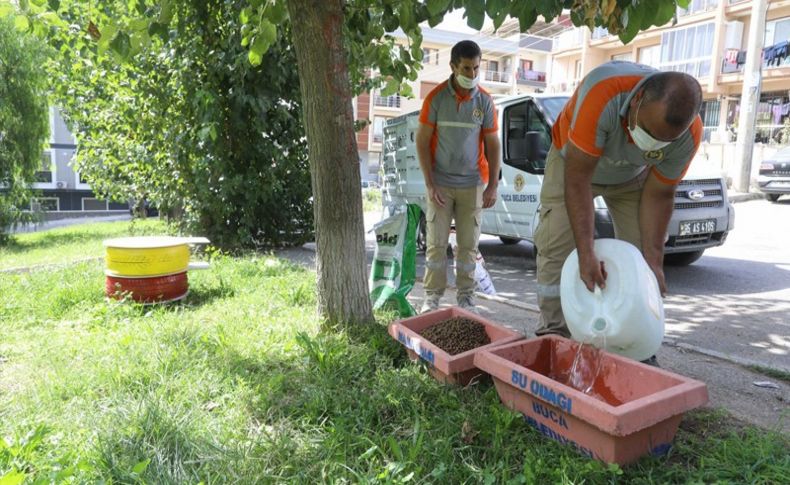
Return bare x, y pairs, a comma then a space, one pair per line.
599, 323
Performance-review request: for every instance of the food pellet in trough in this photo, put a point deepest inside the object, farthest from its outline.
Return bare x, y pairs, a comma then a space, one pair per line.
456, 335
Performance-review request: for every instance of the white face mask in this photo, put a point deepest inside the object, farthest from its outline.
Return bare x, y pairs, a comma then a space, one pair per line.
643, 140
466, 82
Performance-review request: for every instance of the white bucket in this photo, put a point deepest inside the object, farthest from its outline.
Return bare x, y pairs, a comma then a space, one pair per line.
627, 317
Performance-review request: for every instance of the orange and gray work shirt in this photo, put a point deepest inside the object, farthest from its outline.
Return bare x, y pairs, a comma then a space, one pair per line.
595, 119
459, 124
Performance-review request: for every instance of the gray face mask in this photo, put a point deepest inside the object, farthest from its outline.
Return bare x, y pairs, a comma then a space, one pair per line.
643, 140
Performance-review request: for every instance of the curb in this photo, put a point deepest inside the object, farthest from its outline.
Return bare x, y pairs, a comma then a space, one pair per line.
745, 197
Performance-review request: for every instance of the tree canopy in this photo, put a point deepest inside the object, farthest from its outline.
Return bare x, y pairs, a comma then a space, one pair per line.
357, 38
23, 89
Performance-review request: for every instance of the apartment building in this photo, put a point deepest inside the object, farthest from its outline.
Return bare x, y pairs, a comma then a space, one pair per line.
510, 65
709, 41
62, 192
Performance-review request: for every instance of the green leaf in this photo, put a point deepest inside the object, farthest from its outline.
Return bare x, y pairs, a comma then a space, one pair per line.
121, 45
632, 20
140, 467
475, 14
406, 15
244, 15
527, 17
548, 8
166, 12
21, 23
666, 10
54, 4
494, 8
436, 7
683, 3
648, 14
268, 31
6, 10
12, 478
391, 88
277, 13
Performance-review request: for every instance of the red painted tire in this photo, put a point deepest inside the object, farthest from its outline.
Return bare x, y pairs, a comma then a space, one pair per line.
148, 290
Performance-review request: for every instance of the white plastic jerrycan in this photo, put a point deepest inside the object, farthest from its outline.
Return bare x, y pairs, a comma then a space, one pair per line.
626, 317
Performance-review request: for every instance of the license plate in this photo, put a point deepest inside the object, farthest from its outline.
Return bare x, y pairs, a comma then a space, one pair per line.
697, 227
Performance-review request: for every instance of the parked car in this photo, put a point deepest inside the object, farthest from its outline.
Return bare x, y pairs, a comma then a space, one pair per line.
370, 184
774, 177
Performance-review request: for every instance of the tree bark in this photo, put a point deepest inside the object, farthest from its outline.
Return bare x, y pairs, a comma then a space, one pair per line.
317, 35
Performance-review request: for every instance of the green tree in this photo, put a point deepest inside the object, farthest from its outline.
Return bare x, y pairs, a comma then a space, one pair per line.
190, 124
24, 119
337, 43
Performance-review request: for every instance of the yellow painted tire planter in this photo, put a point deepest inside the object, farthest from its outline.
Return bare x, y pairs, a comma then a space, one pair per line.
148, 256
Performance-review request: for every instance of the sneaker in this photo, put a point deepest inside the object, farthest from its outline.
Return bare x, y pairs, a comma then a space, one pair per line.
652, 360
430, 303
467, 303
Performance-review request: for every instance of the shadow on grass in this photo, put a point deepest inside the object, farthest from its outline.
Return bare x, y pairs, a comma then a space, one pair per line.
55, 240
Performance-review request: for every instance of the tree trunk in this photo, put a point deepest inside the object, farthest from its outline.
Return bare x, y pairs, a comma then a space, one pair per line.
317, 35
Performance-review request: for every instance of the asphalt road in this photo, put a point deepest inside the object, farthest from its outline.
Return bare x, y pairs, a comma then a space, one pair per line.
734, 302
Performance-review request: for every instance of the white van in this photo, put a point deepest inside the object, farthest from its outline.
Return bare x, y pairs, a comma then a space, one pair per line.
702, 217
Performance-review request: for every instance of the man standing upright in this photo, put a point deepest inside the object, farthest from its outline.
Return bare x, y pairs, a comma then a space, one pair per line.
459, 153
628, 133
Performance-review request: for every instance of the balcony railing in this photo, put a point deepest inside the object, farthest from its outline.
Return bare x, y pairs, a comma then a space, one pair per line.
526, 76
599, 33
392, 101
497, 76
733, 61
568, 39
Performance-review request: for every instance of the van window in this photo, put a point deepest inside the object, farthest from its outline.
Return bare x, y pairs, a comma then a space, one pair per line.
521, 119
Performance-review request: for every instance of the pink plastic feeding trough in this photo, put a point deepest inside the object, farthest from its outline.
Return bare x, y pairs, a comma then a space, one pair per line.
455, 369
632, 409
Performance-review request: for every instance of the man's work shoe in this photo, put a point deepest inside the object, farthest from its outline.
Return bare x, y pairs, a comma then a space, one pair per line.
467, 302
652, 360
430, 303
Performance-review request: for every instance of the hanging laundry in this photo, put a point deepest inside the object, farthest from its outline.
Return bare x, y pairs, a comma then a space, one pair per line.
741, 58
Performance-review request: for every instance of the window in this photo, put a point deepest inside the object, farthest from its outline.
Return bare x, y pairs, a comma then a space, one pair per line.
526, 64
46, 173
521, 119
578, 70
650, 56
777, 31
696, 6
45, 204
430, 56
625, 56
93, 204
688, 50
709, 112
378, 129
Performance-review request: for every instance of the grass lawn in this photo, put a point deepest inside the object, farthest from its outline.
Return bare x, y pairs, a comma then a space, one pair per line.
238, 383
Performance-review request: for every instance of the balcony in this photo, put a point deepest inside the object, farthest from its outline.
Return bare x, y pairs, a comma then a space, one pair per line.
392, 102
569, 39
497, 77
698, 6
531, 78
734, 60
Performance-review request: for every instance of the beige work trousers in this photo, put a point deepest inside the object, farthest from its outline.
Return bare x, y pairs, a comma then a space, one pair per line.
554, 236
465, 205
